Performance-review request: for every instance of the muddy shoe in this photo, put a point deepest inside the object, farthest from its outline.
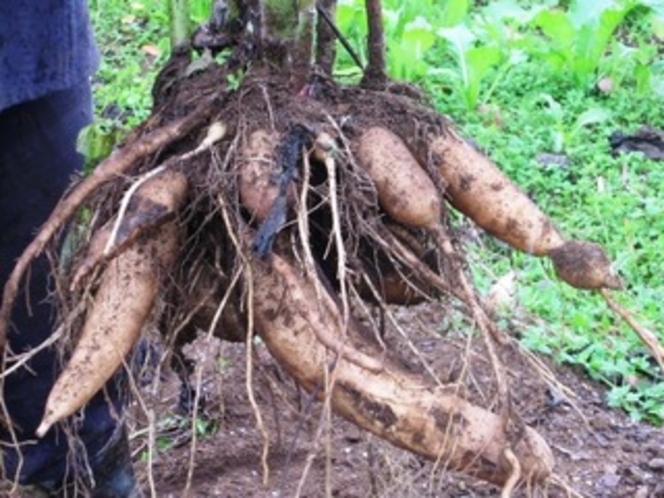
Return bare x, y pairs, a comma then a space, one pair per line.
114, 475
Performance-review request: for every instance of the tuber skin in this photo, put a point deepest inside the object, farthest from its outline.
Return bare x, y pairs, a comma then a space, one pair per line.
113, 167
405, 191
122, 305
481, 191
478, 189
584, 265
128, 289
392, 402
259, 173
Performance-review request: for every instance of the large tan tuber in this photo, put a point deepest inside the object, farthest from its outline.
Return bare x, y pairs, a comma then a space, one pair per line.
152, 204
391, 402
481, 191
404, 189
259, 173
123, 302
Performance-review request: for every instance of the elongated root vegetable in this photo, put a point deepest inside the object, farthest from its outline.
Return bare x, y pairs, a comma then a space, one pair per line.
124, 300
404, 189
409, 196
113, 167
478, 189
391, 402
258, 173
405, 192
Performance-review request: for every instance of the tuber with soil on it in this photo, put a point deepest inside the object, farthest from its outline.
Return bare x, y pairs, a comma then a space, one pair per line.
116, 165
258, 174
122, 305
405, 191
128, 289
153, 203
394, 404
476, 187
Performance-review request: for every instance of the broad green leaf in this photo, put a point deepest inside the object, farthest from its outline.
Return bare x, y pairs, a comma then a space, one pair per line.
501, 10
583, 12
657, 24
482, 59
556, 26
642, 75
446, 74
479, 60
454, 12
592, 116
419, 37
460, 37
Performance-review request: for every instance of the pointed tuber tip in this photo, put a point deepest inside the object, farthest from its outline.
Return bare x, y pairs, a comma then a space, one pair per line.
43, 428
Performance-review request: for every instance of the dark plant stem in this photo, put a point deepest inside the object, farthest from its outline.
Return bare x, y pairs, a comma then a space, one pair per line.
325, 17
375, 75
326, 36
304, 43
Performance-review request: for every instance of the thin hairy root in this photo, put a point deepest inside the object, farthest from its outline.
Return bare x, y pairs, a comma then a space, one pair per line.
648, 337
237, 243
489, 330
569, 491
391, 402
515, 475
467, 291
113, 167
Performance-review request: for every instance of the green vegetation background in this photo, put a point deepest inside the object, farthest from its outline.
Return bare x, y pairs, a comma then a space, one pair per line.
540, 86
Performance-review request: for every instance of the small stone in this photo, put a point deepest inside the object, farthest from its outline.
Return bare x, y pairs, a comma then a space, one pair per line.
605, 85
642, 492
640, 474
656, 464
608, 481
629, 447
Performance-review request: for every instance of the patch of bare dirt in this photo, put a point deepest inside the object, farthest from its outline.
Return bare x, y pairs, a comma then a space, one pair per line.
599, 451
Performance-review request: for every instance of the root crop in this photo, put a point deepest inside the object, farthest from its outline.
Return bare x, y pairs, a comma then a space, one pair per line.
305, 208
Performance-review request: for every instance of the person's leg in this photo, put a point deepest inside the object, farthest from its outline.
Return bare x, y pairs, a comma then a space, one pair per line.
37, 159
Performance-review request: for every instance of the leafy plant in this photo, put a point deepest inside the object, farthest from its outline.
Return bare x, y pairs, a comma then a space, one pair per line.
561, 133
473, 63
577, 39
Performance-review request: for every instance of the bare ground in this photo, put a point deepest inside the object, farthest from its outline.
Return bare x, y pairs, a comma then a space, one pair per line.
599, 451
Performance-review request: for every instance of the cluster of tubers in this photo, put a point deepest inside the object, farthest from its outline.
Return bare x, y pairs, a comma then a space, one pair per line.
300, 205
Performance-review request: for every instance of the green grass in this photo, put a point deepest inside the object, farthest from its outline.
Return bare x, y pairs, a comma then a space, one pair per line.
469, 61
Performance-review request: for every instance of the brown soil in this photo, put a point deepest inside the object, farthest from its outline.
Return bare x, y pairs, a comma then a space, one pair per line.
599, 452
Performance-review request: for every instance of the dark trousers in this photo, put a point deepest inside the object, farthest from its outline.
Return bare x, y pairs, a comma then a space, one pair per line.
37, 159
